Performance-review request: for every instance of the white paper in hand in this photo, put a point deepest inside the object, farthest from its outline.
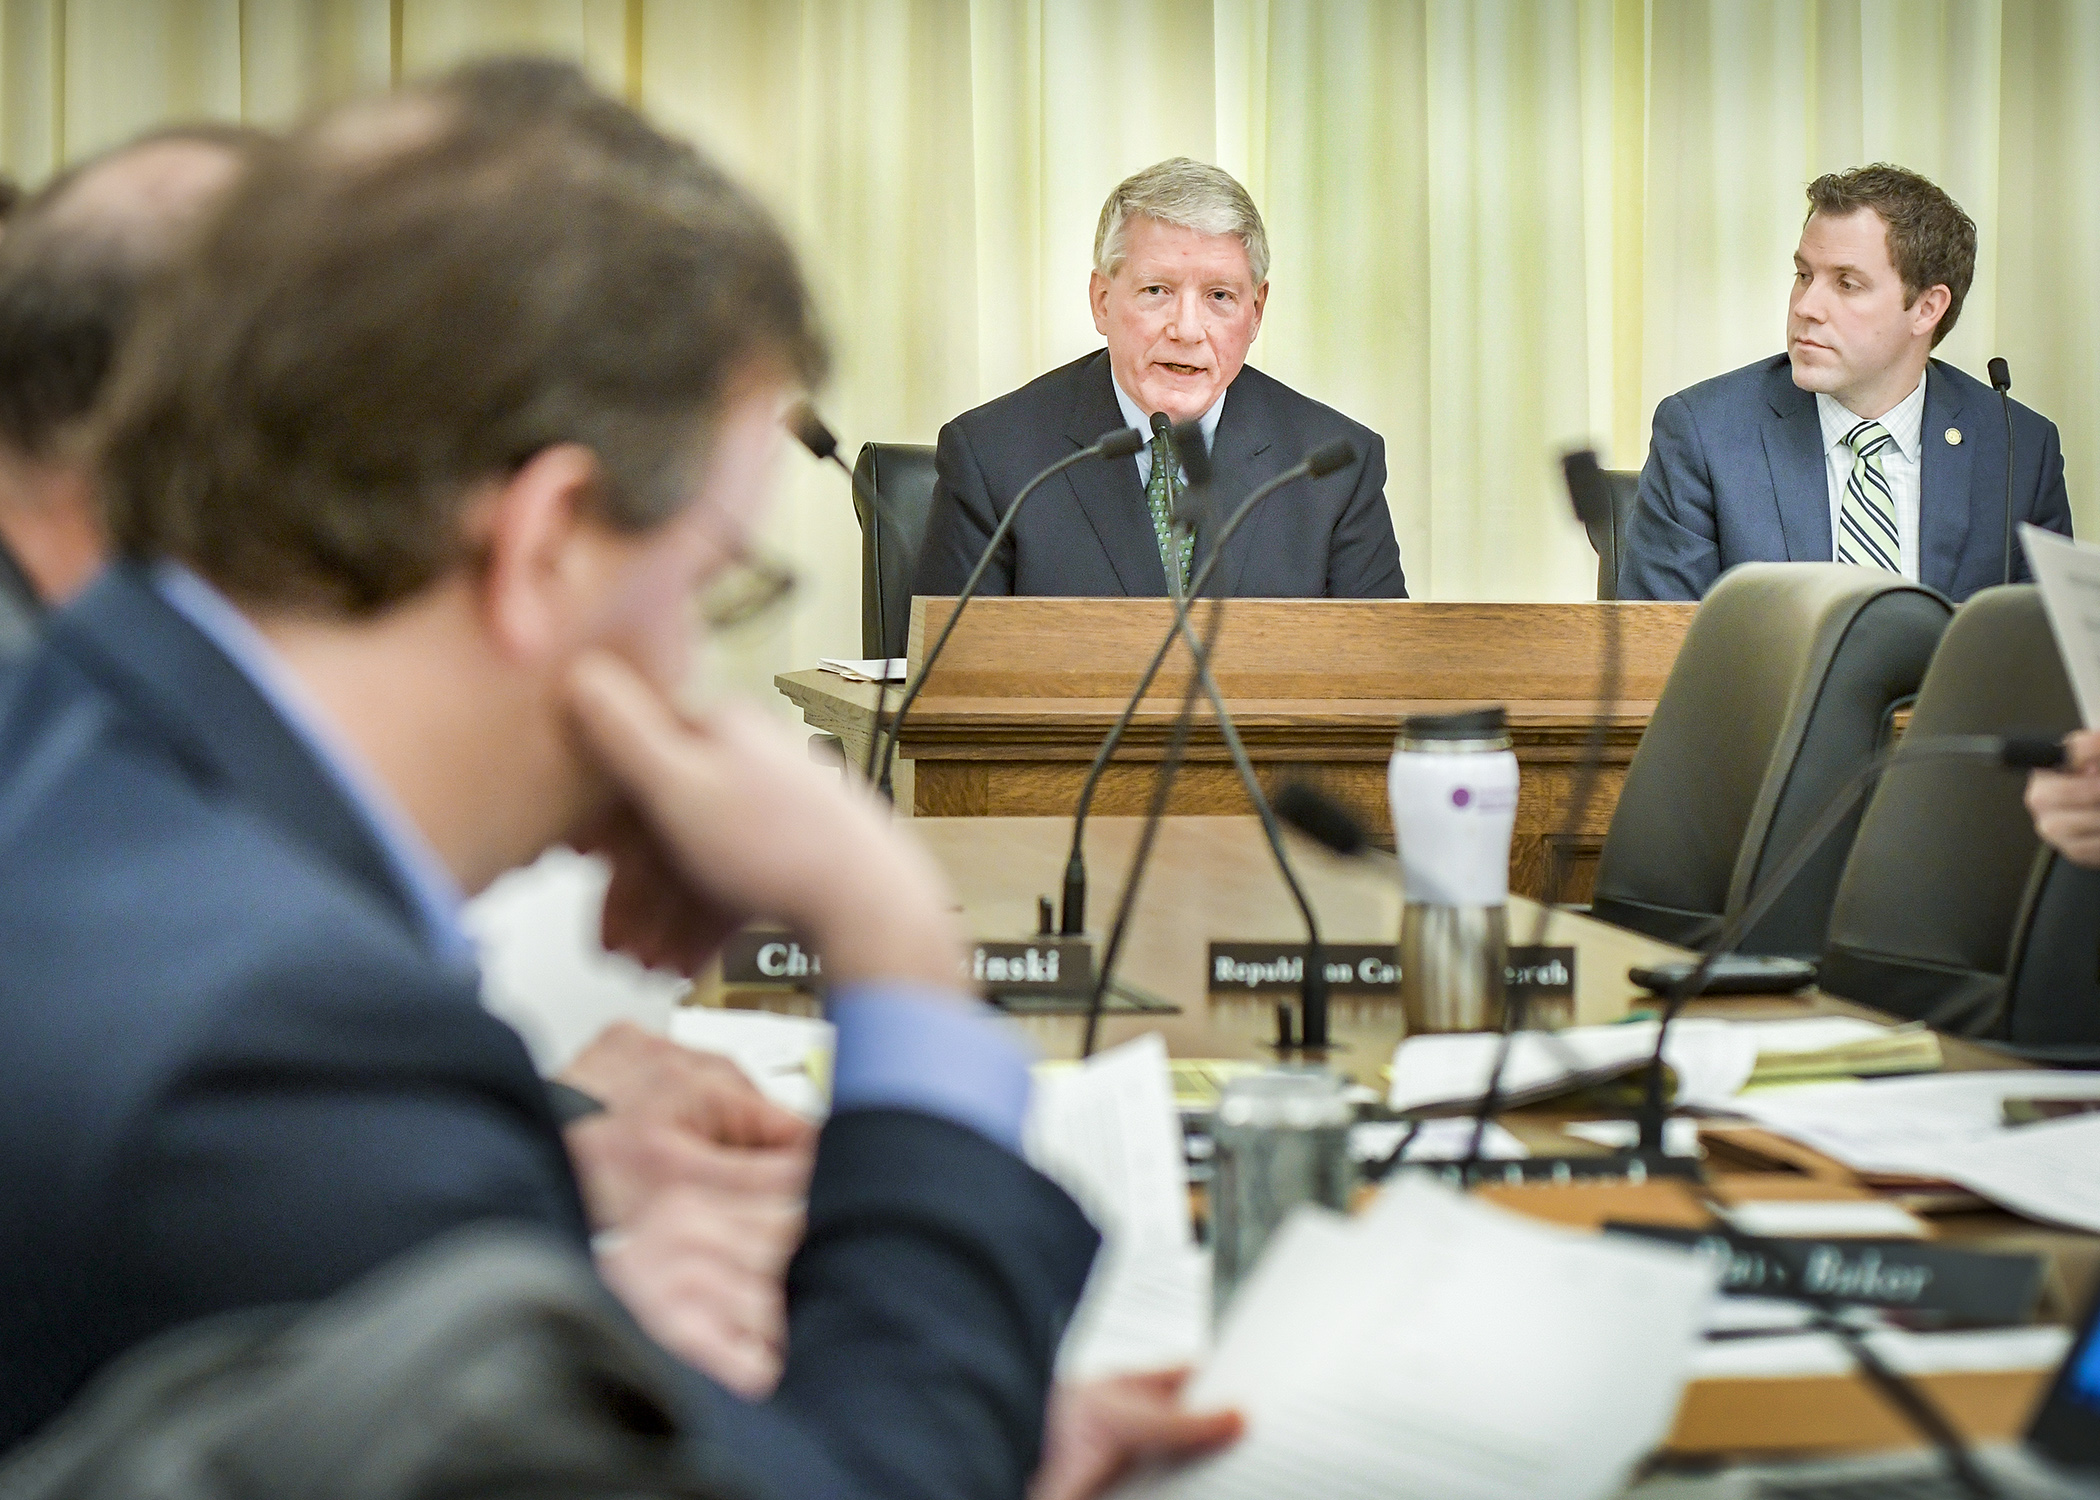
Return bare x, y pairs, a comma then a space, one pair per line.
1437, 1348
2068, 574
1108, 1133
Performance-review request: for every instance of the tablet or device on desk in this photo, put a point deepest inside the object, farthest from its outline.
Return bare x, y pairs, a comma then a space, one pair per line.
1732, 974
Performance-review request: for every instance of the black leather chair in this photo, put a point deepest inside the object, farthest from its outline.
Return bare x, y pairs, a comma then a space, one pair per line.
1923, 922
900, 477
2052, 986
1625, 487
1785, 686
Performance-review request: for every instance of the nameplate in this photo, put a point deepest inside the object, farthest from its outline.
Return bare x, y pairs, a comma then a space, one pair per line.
1968, 1286
1259, 968
756, 957
1037, 966
1550, 972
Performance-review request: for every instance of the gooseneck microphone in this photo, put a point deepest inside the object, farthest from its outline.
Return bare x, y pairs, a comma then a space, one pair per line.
1124, 442
823, 446
1072, 917
2001, 382
1313, 973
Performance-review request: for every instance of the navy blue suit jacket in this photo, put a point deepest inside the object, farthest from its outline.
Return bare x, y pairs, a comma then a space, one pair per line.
1088, 532
1736, 474
234, 1075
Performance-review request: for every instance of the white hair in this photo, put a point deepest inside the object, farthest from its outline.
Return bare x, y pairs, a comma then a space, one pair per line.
1189, 195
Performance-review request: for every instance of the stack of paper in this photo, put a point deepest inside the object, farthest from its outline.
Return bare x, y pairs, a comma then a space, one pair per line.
1440, 1348
1839, 1047
1951, 1128
872, 669
1108, 1133
1713, 1060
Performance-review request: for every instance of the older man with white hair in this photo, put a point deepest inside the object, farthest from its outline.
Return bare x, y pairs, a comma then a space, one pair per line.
1181, 266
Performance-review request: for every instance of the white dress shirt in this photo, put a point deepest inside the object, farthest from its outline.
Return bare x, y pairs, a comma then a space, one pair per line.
1899, 466
1141, 419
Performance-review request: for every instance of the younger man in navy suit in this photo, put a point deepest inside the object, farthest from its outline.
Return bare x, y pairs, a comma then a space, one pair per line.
1855, 446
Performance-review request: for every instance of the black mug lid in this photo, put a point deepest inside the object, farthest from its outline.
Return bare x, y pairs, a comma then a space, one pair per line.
1477, 724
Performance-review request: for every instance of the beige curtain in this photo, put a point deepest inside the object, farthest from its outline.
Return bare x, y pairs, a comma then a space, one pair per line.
1501, 226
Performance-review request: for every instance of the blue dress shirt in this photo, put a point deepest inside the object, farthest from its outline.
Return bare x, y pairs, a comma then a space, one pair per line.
900, 1045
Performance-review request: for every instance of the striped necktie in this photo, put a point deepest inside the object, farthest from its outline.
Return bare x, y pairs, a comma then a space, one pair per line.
1161, 490
1867, 520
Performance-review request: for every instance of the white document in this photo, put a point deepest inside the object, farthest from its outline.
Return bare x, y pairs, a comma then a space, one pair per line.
1108, 1134
1712, 1059
1147, 1310
2049, 1171
787, 1057
2068, 574
1951, 1126
1438, 1348
870, 669
1432, 1140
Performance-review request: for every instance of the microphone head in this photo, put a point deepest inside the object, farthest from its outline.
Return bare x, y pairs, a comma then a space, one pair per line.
810, 431
1121, 443
1161, 422
1328, 457
1195, 454
1320, 818
1588, 489
2031, 753
2001, 376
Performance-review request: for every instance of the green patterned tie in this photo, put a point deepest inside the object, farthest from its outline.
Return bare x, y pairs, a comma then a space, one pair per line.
1161, 491
1867, 533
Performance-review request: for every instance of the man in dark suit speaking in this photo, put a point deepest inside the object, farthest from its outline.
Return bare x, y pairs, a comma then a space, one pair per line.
1855, 446
1181, 267
413, 473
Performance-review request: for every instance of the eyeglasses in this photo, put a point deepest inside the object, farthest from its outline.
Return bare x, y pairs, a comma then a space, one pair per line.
749, 588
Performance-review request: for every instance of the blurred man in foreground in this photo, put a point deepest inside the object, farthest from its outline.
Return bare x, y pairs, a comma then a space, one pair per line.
412, 481
1181, 274
1855, 446
81, 261
75, 263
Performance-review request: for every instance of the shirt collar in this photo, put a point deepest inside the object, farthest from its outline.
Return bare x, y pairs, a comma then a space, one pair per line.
1903, 421
1141, 419
433, 894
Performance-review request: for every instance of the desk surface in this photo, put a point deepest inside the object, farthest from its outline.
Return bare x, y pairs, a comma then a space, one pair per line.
1211, 879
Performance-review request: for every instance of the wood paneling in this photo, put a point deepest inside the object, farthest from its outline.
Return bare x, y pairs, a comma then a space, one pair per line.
1026, 689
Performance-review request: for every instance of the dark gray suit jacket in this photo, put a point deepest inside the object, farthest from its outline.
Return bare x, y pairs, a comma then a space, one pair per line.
1088, 532
1736, 474
235, 1076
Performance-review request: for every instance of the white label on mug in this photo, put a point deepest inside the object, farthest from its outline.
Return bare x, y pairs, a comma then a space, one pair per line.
1453, 814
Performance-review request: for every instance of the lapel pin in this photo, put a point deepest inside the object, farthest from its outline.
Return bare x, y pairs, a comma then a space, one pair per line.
1954, 437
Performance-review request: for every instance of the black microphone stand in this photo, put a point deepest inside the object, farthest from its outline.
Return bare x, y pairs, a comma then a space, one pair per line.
823, 446
1313, 982
2001, 382
1121, 443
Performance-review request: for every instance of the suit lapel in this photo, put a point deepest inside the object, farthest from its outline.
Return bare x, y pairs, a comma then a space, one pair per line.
1108, 492
1944, 507
1236, 468
126, 637
1793, 438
